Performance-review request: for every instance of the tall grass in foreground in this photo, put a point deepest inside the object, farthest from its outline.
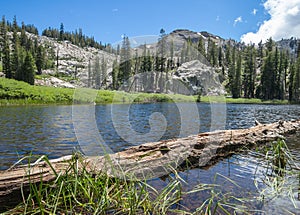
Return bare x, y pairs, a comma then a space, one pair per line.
79, 191
281, 176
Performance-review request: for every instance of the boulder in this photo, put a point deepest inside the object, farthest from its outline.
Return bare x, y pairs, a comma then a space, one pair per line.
199, 77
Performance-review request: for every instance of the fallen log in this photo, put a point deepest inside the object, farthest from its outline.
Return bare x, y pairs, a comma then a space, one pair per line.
147, 160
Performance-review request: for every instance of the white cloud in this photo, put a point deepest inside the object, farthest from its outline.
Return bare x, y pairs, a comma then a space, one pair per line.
254, 11
284, 22
115, 10
239, 19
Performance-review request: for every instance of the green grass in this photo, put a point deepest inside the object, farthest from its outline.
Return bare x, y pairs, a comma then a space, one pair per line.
14, 92
255, 101
78, 191
221, 99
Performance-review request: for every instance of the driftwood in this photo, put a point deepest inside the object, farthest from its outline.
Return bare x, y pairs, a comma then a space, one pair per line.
148, 160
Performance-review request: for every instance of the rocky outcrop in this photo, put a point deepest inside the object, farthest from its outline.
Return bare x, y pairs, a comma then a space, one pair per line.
54, 82
199, 78
72, 60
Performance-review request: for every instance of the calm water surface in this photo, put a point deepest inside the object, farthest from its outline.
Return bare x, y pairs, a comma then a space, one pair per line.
50, 130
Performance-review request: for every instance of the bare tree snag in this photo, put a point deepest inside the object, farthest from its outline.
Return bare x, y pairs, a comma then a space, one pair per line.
147, 160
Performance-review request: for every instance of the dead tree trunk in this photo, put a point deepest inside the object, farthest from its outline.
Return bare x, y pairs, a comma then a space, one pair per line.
147, 160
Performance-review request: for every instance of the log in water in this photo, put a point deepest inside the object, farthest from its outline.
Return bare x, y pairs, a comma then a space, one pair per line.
148, 160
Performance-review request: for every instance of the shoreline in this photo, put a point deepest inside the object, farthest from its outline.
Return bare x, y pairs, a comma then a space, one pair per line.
17, 93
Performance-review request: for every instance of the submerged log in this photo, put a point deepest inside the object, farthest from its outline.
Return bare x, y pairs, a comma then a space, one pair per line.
147, 160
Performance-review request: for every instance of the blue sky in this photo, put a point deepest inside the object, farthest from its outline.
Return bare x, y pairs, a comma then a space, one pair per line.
108, 20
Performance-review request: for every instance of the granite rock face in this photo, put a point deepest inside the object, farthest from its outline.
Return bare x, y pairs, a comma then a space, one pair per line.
199, 77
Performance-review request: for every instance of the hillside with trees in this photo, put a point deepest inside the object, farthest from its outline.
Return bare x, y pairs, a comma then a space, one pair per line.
269, 71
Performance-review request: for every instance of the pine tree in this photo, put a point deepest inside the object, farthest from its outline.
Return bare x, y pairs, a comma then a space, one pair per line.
161, 59
201, 49
15, 61
260, 52
228, 54
2, 36
89, 74
61, 32
6, 64
269, 45
296, 78
103, 73
143, 67
220, 56
236, 88
267, 78
28, 69
115, 75
249, 72
231, 72
291, 82
212, 53
5, 50
40, 59
23, 37
97, 73
296, 81
125, 65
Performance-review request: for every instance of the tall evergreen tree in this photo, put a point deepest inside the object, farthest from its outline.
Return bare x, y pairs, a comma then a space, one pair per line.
61, 32
249, 72
201, 49
89, 74
291, 82
161, 61
40, 59
212, 53
125, 64
6, 64
103, 73
15, 61
236, 88
23, 37
267, 78
28, 69
97, 73
232, 72
220, 56
115, 75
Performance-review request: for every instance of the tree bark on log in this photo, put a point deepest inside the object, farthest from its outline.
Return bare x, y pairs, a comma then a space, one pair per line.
147, 160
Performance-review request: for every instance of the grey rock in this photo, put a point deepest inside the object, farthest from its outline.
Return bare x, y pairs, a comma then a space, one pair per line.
199, 77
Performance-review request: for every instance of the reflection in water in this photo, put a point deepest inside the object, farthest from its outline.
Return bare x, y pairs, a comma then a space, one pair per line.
35, 129
49, 130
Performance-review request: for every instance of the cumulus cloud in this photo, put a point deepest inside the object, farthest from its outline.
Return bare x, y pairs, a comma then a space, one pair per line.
237, 20
284, 22
254, 11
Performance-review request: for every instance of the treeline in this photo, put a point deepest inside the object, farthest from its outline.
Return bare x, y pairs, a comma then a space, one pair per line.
264, 71
77, 38
20, 55
148, 72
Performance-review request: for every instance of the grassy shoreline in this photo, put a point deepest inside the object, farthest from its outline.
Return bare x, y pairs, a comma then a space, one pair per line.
14, 92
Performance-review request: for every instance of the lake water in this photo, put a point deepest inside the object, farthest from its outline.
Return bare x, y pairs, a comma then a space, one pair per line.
60, 130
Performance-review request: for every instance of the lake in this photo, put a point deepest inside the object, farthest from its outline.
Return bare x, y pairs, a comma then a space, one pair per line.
61, 130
